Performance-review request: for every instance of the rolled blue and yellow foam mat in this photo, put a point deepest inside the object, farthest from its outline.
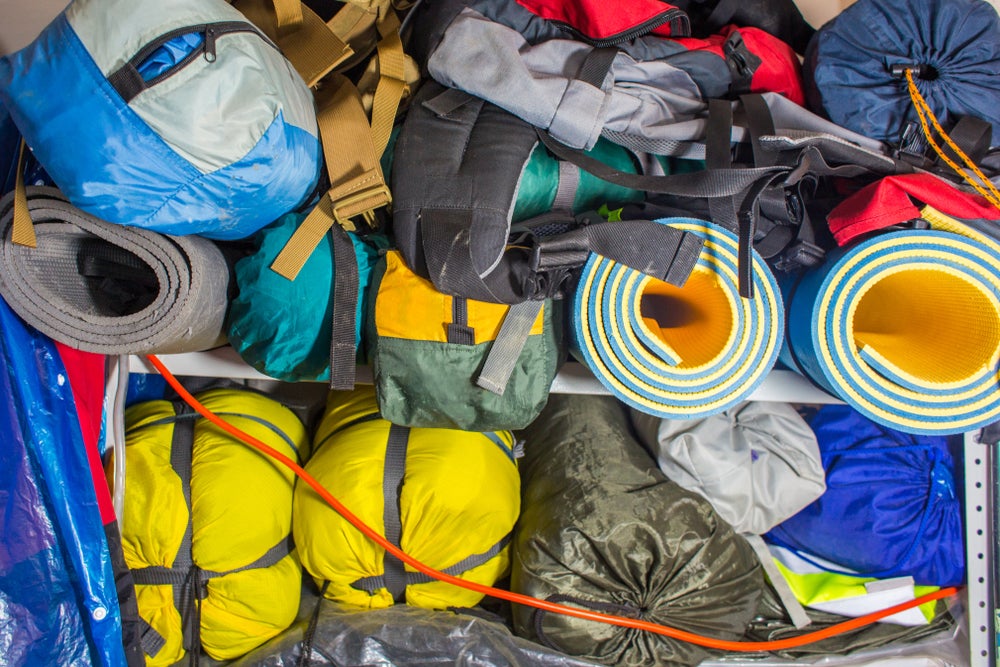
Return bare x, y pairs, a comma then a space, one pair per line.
678, 352
904, 327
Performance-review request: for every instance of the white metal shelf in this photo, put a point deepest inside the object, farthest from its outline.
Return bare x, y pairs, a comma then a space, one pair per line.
573, 378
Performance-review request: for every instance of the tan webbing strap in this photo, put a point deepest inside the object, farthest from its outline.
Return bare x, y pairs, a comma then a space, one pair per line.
288, 15
309, 44
391, 85
314, 50
355, 25
22, 229
357, 184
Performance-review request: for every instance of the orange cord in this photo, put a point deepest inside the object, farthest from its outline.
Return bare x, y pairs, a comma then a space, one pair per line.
986, 189
527, 600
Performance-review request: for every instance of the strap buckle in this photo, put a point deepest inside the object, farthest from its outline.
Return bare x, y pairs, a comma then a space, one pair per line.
802, 255
361, 203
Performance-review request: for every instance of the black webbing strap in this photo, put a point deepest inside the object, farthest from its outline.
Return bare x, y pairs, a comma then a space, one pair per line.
973, 136
181, 452
741, 61
345, 301
151, 641
708, 183
596, 66
305, 655
174, 576
760, 123
660, 251
372, 584
392, 482
459, 331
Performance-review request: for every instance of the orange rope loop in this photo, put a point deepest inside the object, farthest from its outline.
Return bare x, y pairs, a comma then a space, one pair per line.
986, 188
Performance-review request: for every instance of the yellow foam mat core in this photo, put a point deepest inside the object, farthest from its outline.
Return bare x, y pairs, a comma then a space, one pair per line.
695, 320
929, 324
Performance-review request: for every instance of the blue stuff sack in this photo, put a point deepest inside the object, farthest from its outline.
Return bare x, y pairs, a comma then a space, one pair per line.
180, 117
891, 507
849, 62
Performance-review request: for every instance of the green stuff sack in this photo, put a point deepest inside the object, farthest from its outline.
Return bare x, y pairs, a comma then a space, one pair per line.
428, 350
205, 512
602, 528
448, 498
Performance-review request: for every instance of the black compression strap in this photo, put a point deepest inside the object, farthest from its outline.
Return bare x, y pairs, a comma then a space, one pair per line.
345, 301
392, 482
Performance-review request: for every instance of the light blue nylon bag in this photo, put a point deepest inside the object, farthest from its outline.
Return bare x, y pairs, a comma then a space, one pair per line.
178, 116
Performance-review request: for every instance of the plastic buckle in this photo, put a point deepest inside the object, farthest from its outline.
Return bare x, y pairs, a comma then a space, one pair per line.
802, 255
343, 208
898, 70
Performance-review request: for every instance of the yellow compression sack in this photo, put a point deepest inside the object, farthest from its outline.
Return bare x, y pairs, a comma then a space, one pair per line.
207, 524
449, 498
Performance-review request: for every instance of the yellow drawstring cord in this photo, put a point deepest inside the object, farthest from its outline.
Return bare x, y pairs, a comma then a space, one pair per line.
985, 188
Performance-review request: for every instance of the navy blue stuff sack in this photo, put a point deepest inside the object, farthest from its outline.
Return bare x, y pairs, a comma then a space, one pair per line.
890, 508
955, 44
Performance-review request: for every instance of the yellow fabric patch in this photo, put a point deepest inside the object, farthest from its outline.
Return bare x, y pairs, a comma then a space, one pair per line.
408, 306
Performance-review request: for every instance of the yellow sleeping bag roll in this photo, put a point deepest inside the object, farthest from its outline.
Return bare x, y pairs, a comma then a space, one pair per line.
207, 524
449, 498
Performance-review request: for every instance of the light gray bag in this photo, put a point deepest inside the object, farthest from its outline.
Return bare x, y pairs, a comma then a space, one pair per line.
757, 463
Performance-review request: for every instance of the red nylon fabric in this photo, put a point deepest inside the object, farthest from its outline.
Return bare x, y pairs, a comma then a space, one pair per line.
779, 70
891, 201
601, 19
86, 379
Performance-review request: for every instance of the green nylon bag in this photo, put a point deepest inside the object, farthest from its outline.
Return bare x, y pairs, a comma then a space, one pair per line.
602, 528
428, 350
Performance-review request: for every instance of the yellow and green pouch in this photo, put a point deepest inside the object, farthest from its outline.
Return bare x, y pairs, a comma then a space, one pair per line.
448, 362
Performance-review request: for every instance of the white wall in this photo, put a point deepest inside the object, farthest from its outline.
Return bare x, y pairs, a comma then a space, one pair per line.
22, 20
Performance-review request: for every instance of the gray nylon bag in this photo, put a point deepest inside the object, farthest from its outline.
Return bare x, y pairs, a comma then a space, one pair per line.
602, 528
757, 463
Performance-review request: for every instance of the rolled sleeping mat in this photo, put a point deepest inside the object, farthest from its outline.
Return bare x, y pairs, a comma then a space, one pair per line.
678, 352
904, 327
283, 327
112, 289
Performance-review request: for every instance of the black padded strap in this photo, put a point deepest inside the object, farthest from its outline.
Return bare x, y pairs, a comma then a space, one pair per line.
345, 301
392, 482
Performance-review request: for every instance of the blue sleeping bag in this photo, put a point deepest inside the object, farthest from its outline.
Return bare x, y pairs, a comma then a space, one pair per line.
283, 327
848, 65
891, 507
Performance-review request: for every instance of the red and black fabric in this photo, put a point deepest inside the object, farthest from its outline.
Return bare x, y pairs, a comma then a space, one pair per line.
605, 23
896, 199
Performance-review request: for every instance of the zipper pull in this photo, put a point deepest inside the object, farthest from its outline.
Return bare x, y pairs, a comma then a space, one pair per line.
210, 44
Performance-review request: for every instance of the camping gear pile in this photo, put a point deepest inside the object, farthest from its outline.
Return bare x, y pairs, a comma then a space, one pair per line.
468, 196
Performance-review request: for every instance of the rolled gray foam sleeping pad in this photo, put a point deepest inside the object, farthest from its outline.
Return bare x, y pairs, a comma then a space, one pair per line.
112, 289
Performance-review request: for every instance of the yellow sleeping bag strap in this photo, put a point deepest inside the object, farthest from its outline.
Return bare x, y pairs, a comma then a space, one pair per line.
190, 583
395, 578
